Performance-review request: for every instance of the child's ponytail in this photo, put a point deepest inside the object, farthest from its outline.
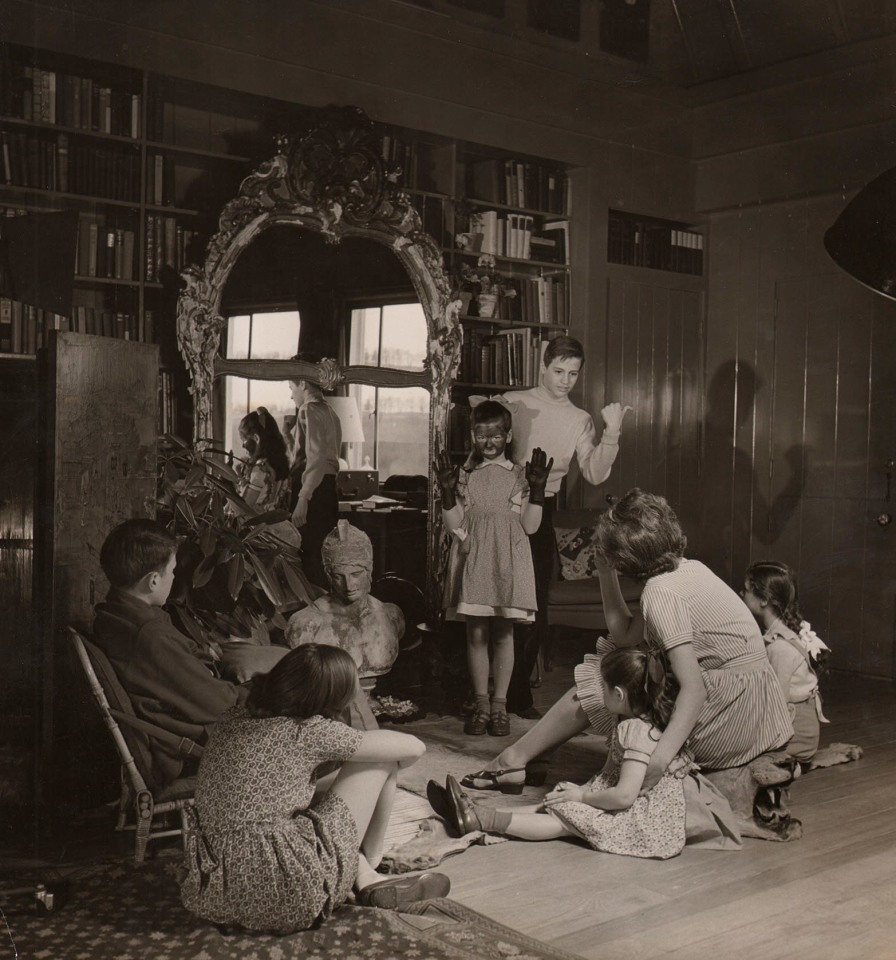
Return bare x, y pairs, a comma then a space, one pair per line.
775, 583
648, 680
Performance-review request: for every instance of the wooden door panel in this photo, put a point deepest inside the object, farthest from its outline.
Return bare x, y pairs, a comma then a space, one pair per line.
835, 392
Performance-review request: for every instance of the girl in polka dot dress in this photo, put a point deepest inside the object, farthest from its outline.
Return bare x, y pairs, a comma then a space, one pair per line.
608, 812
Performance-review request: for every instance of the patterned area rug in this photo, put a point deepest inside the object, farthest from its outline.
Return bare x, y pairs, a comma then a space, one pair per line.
119, 912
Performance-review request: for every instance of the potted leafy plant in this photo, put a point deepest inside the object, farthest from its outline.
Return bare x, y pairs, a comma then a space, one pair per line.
236, 575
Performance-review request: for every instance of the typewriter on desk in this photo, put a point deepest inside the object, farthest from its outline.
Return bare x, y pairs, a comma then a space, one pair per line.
354, 485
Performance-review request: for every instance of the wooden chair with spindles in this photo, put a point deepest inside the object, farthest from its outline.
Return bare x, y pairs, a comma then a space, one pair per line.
141, 804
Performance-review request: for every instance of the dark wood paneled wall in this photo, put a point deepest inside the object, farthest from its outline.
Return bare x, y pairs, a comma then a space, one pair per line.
801, 411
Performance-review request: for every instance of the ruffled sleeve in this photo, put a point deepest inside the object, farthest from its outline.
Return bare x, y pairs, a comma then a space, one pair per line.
637, 739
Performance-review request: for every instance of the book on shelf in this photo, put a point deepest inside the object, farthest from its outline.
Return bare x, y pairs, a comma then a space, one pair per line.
517, 183
37, 94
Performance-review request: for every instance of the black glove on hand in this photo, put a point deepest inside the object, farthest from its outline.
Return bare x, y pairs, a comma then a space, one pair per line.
446, 474
538, 469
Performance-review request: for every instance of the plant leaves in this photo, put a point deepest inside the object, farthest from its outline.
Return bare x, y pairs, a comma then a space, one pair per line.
208, 540
297, 581
172, 474
204, 571
267, 579
235, 573
186, 511
195, 477
270, 516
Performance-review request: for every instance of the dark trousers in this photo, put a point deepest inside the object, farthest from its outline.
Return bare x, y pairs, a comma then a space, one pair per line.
323, 515
528, 637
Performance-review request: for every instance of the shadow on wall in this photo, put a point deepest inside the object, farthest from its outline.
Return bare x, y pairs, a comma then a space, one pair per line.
741, 504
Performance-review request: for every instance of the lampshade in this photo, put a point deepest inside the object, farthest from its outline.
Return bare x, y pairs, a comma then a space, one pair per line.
862, 240
346, 408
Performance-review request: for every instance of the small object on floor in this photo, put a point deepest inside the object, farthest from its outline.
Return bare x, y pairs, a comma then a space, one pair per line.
398, 892
463, 812
393, 710
477, 725
496, 780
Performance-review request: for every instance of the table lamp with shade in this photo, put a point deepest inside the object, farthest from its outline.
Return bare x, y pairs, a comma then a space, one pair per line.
346, 409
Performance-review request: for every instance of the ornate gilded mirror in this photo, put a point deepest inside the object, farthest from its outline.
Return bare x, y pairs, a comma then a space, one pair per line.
327, 200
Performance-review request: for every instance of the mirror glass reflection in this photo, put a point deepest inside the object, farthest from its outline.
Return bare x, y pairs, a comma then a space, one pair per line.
291, 292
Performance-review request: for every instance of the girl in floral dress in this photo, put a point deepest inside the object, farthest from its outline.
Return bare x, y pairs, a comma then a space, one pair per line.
265, 850
608, 812
490, 507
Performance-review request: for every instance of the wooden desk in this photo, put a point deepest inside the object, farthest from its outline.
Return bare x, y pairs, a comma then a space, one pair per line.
398, 535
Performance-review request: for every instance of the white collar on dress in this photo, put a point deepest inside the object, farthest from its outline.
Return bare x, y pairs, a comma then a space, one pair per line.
503, 462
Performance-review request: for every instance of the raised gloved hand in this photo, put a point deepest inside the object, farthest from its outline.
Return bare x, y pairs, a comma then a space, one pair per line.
538, 469
446, 474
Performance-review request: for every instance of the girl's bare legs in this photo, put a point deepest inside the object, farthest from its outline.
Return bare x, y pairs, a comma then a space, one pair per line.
368, 790
536, 826
565, 719
502, 657
477, 658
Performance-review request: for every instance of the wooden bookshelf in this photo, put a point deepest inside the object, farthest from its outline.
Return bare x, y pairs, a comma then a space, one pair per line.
643, 241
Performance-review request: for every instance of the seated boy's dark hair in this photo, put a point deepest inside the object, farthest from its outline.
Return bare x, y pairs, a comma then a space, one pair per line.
563, 348
135, 548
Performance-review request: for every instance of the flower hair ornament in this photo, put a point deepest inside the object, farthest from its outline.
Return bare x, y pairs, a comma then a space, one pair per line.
812, 643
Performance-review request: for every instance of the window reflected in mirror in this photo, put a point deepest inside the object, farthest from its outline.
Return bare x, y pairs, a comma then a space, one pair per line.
394, 421
267, 335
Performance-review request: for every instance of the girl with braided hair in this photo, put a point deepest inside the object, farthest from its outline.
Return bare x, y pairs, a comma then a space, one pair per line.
795, 651
611, 812
729, 708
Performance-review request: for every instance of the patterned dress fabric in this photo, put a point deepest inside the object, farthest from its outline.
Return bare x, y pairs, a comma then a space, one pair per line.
490, 572
653, 826
258, 857
745, 714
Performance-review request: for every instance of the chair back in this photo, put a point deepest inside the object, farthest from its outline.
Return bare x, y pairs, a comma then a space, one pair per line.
132, 745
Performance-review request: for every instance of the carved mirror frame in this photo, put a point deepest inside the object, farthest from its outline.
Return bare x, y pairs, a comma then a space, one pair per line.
331, 181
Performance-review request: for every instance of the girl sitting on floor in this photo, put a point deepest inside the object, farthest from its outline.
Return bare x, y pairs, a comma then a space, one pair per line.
795, 651
265, 850
609, 812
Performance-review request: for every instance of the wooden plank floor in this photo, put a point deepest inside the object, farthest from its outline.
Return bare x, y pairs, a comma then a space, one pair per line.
829, 896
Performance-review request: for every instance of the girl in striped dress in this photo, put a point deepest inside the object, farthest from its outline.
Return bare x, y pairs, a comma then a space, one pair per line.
730, 708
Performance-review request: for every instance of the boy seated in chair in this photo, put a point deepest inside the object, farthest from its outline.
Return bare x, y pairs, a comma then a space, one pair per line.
166, 674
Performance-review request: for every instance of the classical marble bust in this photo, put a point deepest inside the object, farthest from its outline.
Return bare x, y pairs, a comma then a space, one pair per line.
348, 616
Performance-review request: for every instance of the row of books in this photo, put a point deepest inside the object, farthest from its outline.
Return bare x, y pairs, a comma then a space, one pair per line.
48, 96
160, 180
165, 245
506, 358
24, 329
105, 249
167, 404
540, 300
516, 236
659, 246
518, 183
53, 163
